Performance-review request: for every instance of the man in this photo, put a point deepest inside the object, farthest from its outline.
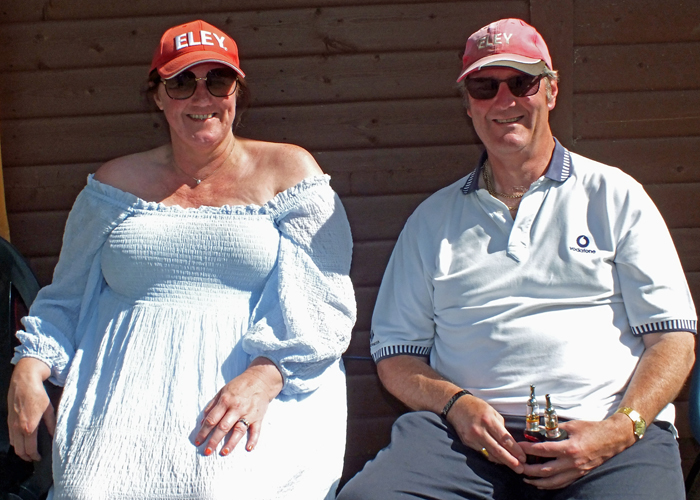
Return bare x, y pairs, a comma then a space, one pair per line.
542, 268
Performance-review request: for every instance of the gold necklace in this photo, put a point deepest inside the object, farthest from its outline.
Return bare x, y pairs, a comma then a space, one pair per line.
199, 181
490, 185
492, 189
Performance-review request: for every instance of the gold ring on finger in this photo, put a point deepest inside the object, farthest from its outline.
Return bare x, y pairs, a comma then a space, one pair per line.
484, 452
244, 422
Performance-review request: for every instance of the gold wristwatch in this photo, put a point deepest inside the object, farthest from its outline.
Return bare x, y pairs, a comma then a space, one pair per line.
640, 426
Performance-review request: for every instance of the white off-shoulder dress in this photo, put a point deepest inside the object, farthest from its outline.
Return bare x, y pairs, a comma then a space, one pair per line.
154, 308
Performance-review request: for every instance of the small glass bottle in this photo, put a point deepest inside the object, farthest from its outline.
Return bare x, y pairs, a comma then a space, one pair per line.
532, 419
552, 432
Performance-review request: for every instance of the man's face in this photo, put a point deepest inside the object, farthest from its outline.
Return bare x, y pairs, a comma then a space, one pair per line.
509, 124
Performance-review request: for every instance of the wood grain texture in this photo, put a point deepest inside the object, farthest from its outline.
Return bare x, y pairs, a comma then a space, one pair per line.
686, 241
276, 81
45, 188
601, 22
41, 10
359, 348
38, 234
693, 278
637, 114
637, 67
43, 268
405, 123
653, 160
673, 201
380, 217
362, 172
265, 33
370, 399
369, 259
554, 20
379, 171
365, 296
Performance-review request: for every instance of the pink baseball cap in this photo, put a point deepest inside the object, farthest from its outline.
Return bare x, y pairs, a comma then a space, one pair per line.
508, 42
193, 43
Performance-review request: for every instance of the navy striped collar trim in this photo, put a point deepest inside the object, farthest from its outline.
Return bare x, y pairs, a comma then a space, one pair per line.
559, 169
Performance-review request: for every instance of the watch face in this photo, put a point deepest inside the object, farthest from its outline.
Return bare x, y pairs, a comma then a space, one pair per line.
639, 429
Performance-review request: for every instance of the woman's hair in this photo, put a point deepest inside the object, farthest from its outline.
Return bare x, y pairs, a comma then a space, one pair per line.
242, 95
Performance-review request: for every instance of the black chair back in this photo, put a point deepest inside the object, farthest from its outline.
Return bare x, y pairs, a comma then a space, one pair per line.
19, 480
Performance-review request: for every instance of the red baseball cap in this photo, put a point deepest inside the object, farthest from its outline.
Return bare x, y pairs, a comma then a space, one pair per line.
193, 43
508, 42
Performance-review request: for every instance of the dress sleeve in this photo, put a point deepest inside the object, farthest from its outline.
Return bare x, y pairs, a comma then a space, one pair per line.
52, 330
305, 315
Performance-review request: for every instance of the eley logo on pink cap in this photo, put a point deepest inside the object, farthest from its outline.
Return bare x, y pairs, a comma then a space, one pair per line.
509, 42
193, 43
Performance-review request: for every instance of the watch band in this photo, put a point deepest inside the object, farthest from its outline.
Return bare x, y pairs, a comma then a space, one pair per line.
640, 425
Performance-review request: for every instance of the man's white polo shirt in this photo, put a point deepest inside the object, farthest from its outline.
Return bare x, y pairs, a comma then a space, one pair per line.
558, 298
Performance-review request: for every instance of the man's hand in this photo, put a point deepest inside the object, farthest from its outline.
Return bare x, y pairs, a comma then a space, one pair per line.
479, 426
588, 446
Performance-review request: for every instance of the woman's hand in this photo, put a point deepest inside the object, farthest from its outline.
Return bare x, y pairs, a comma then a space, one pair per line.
242, 401
27, 404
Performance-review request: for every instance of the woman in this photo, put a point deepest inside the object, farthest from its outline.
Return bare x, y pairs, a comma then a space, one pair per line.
201, 298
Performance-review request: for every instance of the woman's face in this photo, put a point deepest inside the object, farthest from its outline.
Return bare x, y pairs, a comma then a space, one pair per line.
201, 121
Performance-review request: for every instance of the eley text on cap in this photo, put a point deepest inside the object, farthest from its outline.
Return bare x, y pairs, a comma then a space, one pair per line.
508, 42
193, 43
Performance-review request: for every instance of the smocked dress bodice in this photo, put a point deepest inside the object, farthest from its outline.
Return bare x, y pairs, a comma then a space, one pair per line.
186, 257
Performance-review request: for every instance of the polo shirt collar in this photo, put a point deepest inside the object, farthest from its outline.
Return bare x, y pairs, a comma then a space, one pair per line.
559, 168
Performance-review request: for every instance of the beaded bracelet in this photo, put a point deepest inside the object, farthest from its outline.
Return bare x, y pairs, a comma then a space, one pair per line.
453, 400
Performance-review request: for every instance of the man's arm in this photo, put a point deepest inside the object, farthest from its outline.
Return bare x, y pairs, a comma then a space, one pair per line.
659, 376
478, 425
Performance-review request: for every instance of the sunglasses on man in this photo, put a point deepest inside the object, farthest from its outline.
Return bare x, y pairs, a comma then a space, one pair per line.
221, 82
520, 86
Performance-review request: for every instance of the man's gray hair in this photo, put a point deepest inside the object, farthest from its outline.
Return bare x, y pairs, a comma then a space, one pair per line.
550, 76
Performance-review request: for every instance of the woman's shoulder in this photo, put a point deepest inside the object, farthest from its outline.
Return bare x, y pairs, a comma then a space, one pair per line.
134, 172
287, 164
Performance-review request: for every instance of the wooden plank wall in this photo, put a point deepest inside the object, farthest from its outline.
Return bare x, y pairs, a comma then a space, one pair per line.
368, 87
636, 101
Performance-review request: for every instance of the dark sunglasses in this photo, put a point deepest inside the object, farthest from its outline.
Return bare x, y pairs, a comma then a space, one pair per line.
221, 82
487, 88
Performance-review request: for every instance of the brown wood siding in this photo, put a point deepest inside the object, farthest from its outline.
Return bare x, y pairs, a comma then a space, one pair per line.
369, 90
635, 102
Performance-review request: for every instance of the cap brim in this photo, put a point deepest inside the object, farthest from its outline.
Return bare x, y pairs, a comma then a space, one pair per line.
521, 63
180, 64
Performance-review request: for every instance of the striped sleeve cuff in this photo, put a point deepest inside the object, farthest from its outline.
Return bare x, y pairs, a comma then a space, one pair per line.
396, 350
672, 325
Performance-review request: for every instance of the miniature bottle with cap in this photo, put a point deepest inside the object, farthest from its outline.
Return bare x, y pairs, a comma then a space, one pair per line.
533, 430
532, 419
552, 432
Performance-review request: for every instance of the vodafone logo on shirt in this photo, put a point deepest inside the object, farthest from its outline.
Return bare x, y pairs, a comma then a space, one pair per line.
202, 37
582, 243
